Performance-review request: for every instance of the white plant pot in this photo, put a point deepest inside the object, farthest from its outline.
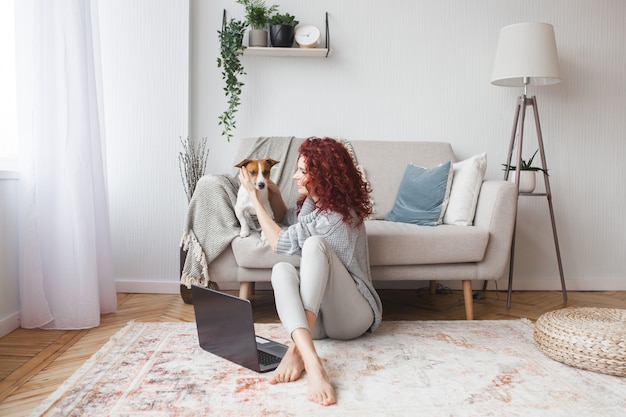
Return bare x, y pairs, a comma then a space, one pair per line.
528, 181
257, 37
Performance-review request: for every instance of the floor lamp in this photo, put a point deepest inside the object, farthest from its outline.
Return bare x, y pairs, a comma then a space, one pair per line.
527, 55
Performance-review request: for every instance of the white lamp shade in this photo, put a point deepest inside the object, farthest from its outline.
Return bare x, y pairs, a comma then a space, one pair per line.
526, 51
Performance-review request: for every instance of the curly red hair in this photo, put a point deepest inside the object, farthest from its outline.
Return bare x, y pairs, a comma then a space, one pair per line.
333, 177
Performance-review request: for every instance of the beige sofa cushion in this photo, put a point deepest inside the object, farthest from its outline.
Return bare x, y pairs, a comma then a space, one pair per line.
389, 243
250, 253
393, 243
385, 162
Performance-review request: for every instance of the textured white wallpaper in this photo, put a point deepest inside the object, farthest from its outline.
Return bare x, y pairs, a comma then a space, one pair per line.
399, 70
145, 59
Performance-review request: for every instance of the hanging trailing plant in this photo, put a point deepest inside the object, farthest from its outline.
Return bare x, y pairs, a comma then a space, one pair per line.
231, 50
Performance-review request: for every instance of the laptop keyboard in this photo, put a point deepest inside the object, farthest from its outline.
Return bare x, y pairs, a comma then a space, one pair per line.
267, 358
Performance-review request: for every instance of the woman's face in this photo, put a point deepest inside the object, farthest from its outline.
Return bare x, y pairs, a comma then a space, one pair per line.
301, 177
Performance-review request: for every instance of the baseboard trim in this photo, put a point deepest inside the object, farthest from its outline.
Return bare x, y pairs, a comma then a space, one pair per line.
9, 323
554, 284
518, 285
147, 287
169, 287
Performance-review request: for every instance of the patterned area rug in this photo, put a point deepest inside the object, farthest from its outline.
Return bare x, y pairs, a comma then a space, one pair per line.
432, 368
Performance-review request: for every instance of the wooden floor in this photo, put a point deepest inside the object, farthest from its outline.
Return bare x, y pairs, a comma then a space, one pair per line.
33, 363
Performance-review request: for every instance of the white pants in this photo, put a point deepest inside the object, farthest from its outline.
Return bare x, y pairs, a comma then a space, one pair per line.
323, 287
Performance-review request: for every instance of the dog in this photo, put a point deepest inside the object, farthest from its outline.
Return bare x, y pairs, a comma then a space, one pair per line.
259, 171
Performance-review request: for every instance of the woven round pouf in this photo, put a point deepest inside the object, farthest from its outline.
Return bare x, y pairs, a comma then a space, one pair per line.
588, 338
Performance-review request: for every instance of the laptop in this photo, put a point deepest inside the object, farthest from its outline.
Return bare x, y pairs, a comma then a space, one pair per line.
226, 329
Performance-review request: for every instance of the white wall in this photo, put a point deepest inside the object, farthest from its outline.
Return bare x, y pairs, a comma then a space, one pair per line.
145, 62
420, 70
9, 284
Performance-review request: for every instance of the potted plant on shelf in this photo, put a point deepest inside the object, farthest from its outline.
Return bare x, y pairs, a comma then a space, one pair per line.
257, 16
231, 49
528, 177
282, 30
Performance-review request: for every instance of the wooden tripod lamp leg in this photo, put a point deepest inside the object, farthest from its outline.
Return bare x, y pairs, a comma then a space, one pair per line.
520, 115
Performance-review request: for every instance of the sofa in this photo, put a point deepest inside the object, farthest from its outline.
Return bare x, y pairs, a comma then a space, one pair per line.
470, 241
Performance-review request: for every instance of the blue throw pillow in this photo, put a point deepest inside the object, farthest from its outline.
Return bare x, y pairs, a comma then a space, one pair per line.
422, 196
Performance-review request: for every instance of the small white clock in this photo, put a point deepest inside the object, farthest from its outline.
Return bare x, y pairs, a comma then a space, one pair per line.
308, 36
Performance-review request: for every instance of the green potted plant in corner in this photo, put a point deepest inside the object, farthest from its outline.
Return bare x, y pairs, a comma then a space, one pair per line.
282, 30
231, 50
528, 177
257, 16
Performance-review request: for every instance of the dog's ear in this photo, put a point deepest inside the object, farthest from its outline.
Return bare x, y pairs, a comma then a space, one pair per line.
271, 162
243, 163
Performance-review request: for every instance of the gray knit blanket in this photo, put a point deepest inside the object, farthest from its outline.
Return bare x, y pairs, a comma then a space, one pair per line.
211, 223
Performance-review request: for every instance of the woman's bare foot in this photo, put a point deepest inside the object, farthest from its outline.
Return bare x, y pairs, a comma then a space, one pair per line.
302, 356
320, 389
290, 368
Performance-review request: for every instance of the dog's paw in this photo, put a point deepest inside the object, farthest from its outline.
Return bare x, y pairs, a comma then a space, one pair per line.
244, 233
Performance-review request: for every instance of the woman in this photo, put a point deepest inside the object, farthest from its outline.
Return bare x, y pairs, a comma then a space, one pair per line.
332, 294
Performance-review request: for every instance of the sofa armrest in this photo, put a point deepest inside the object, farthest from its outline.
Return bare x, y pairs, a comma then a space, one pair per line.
496, 211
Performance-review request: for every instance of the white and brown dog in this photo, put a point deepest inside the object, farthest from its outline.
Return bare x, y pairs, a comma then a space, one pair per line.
259, 171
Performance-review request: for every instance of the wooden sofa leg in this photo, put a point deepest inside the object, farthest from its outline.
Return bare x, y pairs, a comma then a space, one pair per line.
246, 290
469, 299
433, 287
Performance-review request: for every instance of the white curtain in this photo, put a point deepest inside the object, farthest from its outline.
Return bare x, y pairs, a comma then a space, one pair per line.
66, 272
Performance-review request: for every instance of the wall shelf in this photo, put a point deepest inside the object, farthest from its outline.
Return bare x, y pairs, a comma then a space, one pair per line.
291, 52
295, 51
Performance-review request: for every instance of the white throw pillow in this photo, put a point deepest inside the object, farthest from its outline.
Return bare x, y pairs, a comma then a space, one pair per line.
466, 182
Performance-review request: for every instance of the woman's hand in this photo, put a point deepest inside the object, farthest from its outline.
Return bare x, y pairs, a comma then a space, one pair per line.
268, 225
244, 179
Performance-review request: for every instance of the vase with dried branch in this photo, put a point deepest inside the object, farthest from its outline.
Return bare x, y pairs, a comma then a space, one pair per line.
192, 163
